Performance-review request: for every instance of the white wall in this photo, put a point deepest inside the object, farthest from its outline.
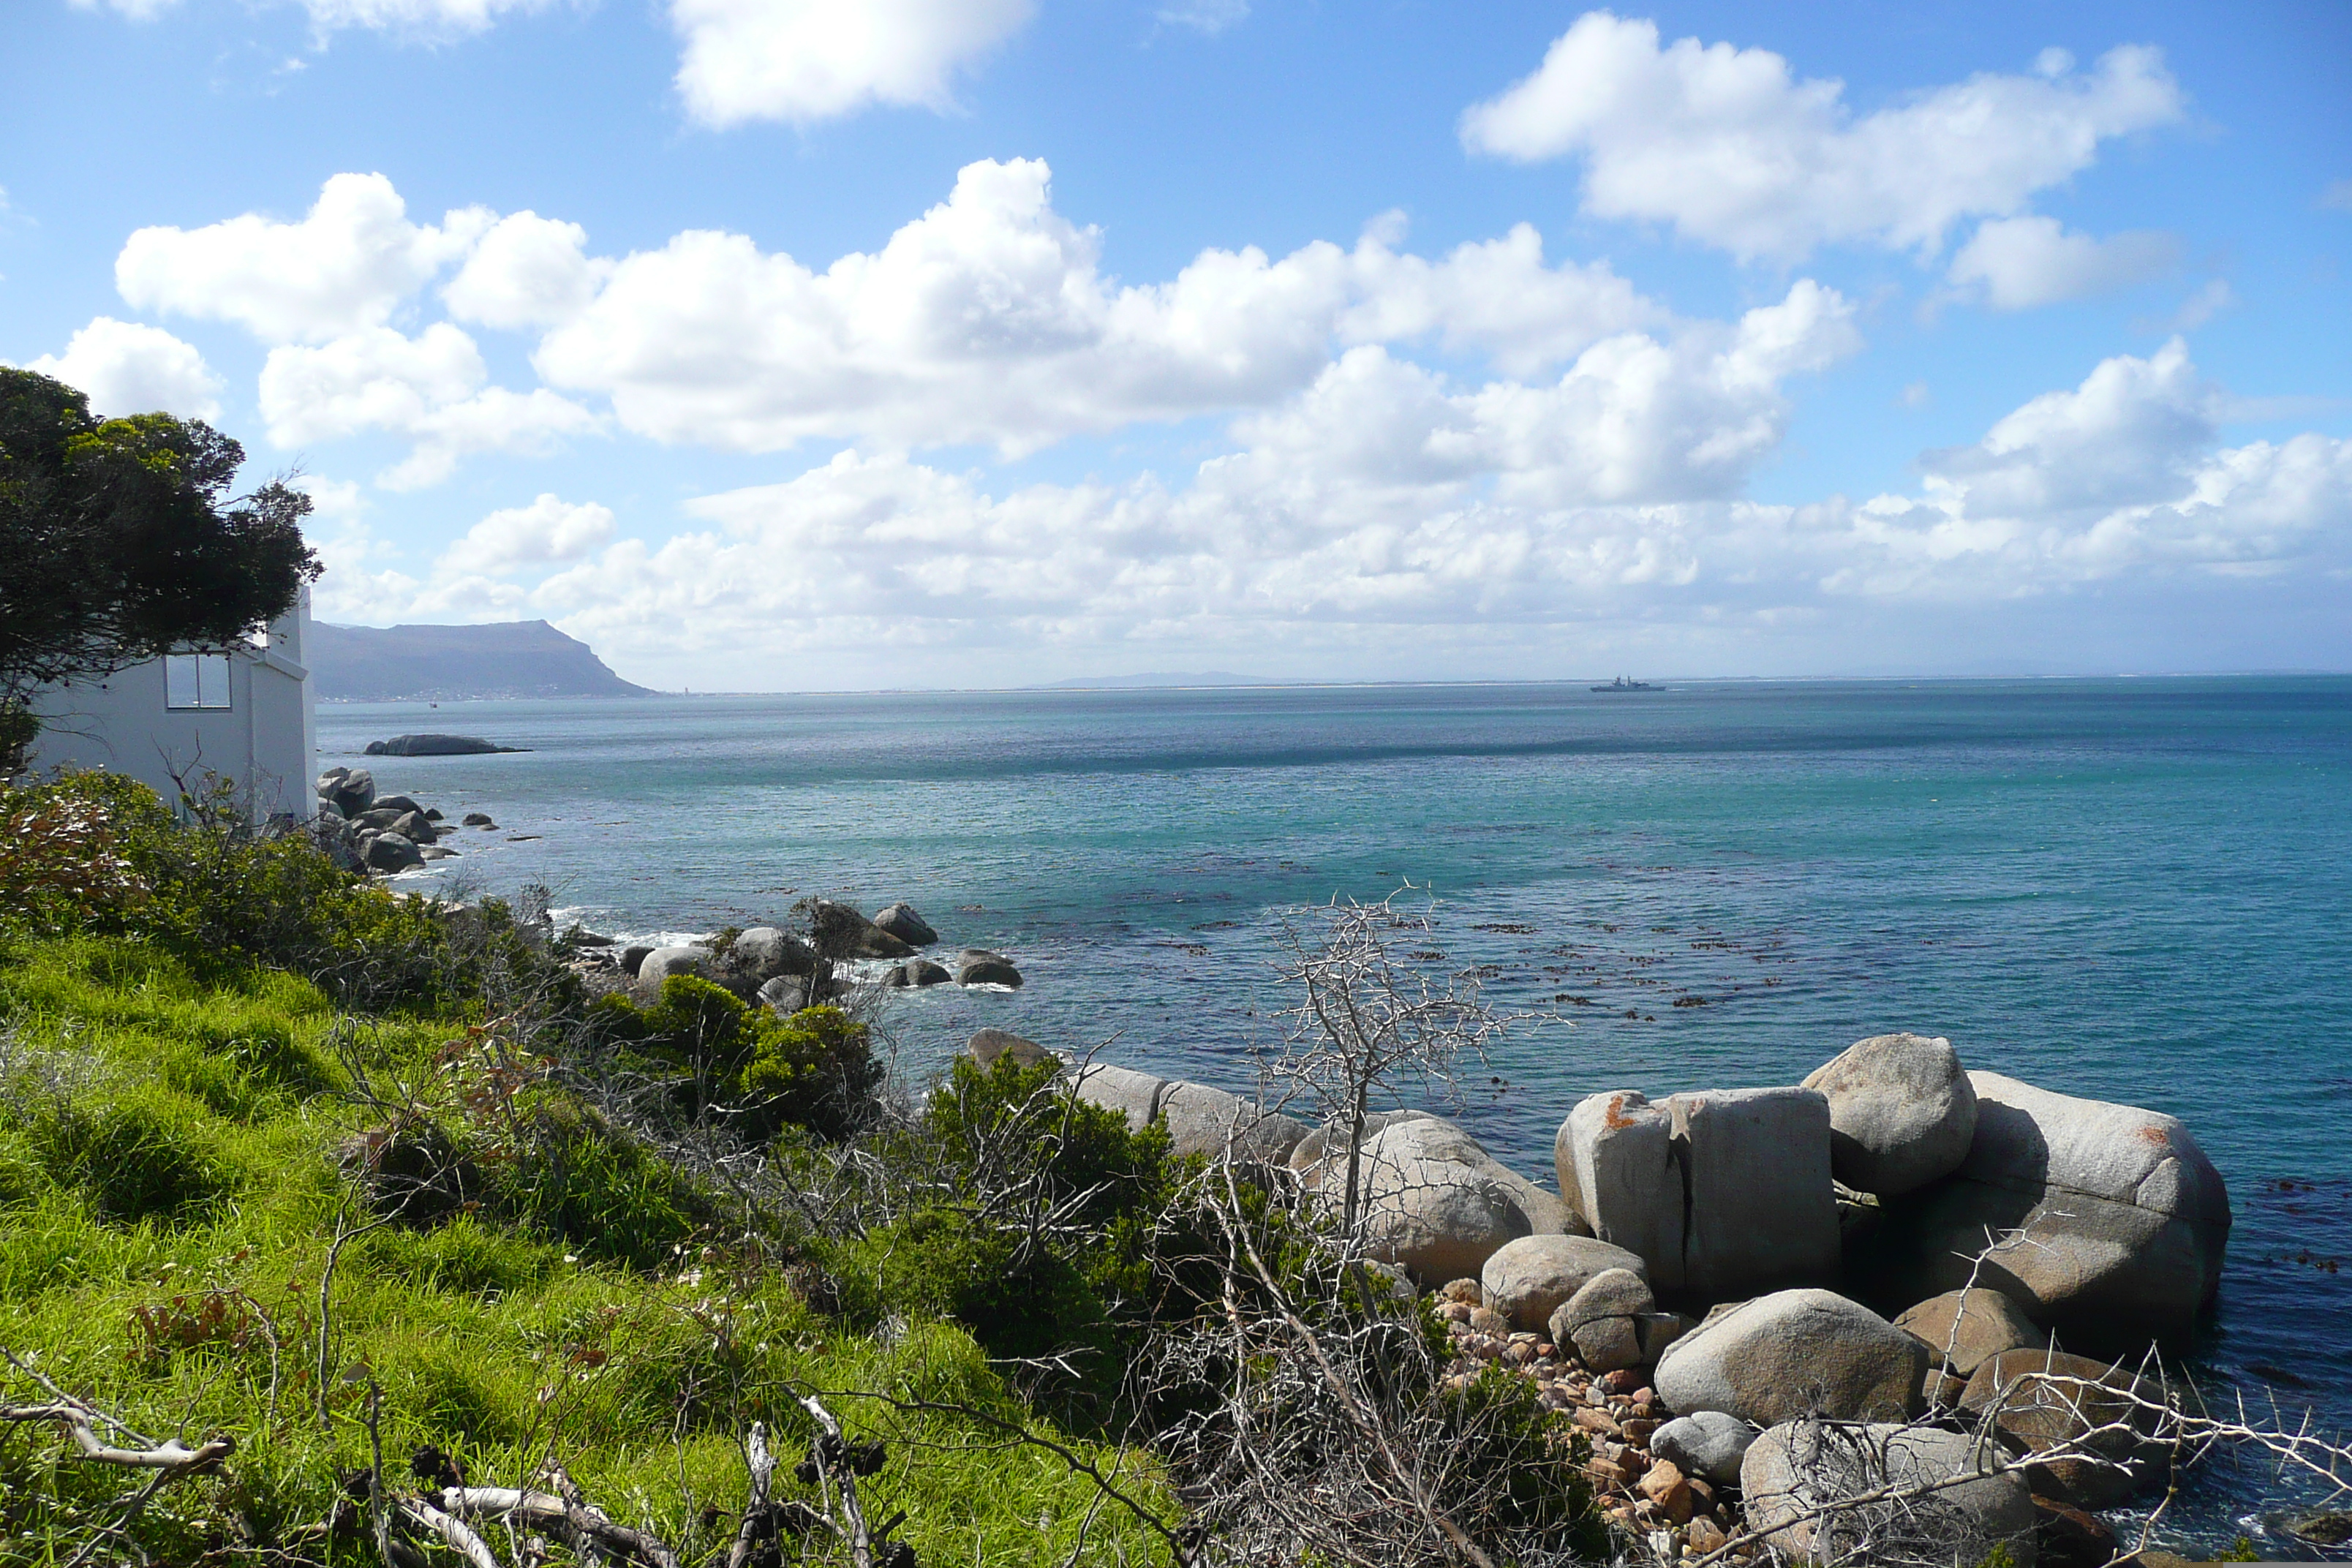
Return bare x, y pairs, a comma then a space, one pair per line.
264, 740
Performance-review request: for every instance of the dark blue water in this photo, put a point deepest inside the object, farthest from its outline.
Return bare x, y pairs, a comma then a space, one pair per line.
2139, 890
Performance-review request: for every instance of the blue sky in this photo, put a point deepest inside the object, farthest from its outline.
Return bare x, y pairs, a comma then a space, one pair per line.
787, 344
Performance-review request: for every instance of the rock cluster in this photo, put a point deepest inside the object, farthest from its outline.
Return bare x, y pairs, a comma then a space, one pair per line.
776, 969
384, 834
1775, 1214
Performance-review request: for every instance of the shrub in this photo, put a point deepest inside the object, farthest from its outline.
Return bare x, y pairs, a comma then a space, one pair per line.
712, 1052
99, 853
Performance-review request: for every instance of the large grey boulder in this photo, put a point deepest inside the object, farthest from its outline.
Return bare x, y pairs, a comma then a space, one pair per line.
1529, 1279
2053, 1405
353, 792
1725, 1194
786, 994
842, 933
1705, 1443
1432, 1199
390, 853
399, 803
413, 826
2114, 1217
664, 961
1605, 1318
1618, 1171
1902, 1113
916, 973
1793, 1471
763, 952
1762, 1206
1964, 1328
1135, 1095
1204, 1120
899, 919
1331, 1138
1791, 1354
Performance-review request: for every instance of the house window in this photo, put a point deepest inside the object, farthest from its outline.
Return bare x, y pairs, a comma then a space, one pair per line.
195, 680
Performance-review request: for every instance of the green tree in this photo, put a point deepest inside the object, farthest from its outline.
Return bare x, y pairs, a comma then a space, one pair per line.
120, 541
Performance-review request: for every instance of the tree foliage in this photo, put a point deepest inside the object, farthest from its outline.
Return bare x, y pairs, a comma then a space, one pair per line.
122, 541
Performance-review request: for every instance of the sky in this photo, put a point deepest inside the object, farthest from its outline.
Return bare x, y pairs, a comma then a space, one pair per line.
847, 344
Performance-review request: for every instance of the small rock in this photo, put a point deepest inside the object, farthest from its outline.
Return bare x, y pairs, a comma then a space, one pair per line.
1707, 1443
917, 972
476, 819
1468, 1290
1530, 1278
1601, 1319
1664, 1485
1706, 1536
1486, 1321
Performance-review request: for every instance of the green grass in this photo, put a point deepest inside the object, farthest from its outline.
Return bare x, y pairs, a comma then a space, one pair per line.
171, 1184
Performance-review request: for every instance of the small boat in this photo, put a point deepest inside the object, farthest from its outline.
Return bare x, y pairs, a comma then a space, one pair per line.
1622, 684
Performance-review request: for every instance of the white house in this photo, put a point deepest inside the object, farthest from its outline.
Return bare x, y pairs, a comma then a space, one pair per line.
243, 715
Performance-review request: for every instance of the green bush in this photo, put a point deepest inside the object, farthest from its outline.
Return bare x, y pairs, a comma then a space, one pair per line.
815, 1069
97, 854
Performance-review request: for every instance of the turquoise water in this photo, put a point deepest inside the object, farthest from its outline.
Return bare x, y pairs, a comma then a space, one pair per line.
2136, 889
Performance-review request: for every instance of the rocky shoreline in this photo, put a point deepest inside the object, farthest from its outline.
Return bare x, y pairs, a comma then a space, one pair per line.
1893, 1250
1699, 1296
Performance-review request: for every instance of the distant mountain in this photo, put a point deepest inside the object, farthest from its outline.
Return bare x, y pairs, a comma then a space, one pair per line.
1125, 682
505, 658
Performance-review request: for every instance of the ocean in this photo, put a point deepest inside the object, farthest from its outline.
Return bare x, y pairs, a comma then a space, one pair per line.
2133, 889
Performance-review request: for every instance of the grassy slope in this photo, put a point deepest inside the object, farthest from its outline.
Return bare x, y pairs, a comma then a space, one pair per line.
169, 1188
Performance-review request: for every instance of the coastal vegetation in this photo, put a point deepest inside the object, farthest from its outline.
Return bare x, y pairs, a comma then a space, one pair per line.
343, 1226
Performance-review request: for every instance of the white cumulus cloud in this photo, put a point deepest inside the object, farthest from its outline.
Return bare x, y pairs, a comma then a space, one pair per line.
428, 388
128, 368
526, 271
1383, 498
806, 60
2019, 263
344, 266
548, 531
989, 320
1731, 149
